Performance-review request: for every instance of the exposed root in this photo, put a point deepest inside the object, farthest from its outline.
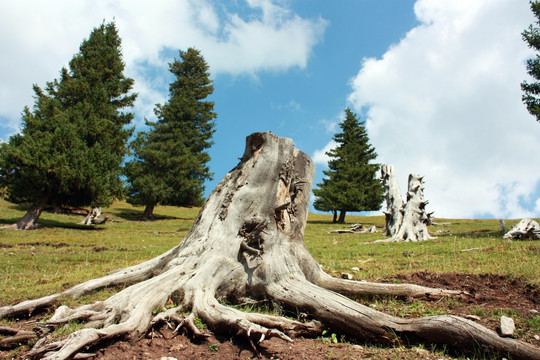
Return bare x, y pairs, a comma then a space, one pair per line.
364, 288
253, 326
171, 317
362, 322
14, 337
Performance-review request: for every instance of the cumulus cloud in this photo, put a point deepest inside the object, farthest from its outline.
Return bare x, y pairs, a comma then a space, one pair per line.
445, 102
320, 157
41, 36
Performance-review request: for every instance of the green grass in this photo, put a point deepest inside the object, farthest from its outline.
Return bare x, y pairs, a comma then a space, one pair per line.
340, 252
61, 253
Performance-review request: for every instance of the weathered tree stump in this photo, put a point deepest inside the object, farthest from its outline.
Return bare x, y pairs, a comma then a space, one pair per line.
93, 217
247, 241
394, 202
405, 221
525, 229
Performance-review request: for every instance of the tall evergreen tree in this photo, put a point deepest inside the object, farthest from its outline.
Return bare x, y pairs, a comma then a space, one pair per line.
351, 183
72, 144
531, 36
170, 160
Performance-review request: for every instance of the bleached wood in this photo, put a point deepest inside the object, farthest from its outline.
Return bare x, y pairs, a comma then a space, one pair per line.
404, 221
525, 229
247, 242
394, 202
413, 226
93, 217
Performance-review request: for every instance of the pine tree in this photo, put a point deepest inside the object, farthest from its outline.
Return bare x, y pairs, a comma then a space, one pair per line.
531, 36
351, 183
72, 144
170, 160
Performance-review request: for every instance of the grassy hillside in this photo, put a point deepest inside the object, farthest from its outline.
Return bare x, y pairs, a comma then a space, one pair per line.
62, 253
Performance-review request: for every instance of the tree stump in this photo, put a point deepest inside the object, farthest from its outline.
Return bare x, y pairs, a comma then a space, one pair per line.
247, 241
405, 221
525, 229
394, 202
93, 217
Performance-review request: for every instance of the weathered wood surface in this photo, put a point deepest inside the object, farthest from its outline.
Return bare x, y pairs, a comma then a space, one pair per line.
394, 201
525, 229
247, 242
405, 221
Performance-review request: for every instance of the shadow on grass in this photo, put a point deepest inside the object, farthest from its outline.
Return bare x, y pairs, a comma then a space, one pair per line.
135, 215
47, 223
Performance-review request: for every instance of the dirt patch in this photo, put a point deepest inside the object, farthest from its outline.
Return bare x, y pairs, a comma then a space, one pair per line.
54, 245
487, 291
489, 294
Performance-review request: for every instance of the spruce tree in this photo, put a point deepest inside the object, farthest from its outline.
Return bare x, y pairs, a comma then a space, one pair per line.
170, 159
72, 144
351, 182
531, 36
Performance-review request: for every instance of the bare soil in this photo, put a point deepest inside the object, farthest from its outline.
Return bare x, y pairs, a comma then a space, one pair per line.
490, 294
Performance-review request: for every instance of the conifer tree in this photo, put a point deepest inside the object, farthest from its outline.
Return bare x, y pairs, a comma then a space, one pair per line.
170, 159
72, 143
351, 183
531, 36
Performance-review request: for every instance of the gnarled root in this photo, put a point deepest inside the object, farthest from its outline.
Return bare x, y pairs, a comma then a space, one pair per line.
364, 323
14, 337
364, 288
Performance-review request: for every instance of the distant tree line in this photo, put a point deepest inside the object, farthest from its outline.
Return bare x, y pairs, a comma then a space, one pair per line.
73, 142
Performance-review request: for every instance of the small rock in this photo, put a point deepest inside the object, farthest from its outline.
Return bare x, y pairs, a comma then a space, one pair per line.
536, 337
168, 358
507, 326
473, 317
346, 276
533, 311
355, 269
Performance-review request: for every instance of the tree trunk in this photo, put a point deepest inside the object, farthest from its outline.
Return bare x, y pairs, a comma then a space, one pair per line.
334, 220
247, 241
29, 220
148, 213
394, 202
341, 219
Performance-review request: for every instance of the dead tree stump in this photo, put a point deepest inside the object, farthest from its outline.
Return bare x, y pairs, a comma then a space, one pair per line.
394, 202
247, 241
525, 229
405, 221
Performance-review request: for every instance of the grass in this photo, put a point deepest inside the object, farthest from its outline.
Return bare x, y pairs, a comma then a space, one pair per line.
62, 254
339, 253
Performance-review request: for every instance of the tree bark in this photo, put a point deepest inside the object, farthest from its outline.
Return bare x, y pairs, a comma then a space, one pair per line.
525, 229
341, 219
405, 221
394, 202
247, 241
334, 219
148, 213
29, 220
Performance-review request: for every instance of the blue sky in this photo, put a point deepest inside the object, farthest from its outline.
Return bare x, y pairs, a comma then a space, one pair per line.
436, 81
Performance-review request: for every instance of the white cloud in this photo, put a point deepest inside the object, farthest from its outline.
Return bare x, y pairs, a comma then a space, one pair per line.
39, 37
446, 103
320, 157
